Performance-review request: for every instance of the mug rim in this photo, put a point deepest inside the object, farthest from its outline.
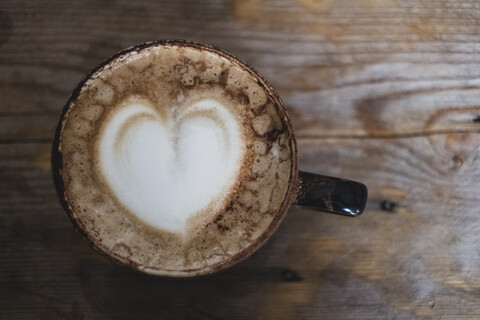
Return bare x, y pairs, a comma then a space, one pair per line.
57, 164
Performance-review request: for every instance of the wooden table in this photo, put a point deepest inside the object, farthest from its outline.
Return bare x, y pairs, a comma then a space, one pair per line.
381, 91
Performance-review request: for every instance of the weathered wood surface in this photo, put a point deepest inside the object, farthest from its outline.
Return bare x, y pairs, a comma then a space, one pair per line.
381, 91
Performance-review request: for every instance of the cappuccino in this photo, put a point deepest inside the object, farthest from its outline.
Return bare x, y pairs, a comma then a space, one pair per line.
175, 158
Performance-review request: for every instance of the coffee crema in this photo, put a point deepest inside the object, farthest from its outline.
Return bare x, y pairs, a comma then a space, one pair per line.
175, 158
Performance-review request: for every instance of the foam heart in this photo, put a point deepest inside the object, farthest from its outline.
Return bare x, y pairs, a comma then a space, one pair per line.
165, 167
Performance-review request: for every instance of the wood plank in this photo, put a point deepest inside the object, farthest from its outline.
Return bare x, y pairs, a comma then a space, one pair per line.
310, 46
393, 263
366, 109
27, 128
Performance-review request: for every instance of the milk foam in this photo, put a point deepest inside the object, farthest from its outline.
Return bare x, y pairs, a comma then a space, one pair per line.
165, 166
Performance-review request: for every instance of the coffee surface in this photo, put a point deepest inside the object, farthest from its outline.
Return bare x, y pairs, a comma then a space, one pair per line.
175, 158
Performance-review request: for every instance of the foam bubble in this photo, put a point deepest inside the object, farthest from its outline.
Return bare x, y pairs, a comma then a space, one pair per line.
166, 167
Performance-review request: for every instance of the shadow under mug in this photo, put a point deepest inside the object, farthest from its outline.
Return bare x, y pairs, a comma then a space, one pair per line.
320, 192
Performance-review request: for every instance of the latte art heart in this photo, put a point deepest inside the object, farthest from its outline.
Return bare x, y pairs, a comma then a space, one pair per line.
166, 167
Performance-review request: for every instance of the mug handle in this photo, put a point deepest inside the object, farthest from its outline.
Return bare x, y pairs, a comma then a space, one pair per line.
330, 194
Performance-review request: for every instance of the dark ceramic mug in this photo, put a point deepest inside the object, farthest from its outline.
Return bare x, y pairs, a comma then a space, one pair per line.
324, 193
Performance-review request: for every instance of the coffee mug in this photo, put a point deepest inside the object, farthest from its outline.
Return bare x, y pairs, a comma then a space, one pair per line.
177, 159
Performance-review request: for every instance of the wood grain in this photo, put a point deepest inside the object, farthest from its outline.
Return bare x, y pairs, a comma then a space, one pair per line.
380, 91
